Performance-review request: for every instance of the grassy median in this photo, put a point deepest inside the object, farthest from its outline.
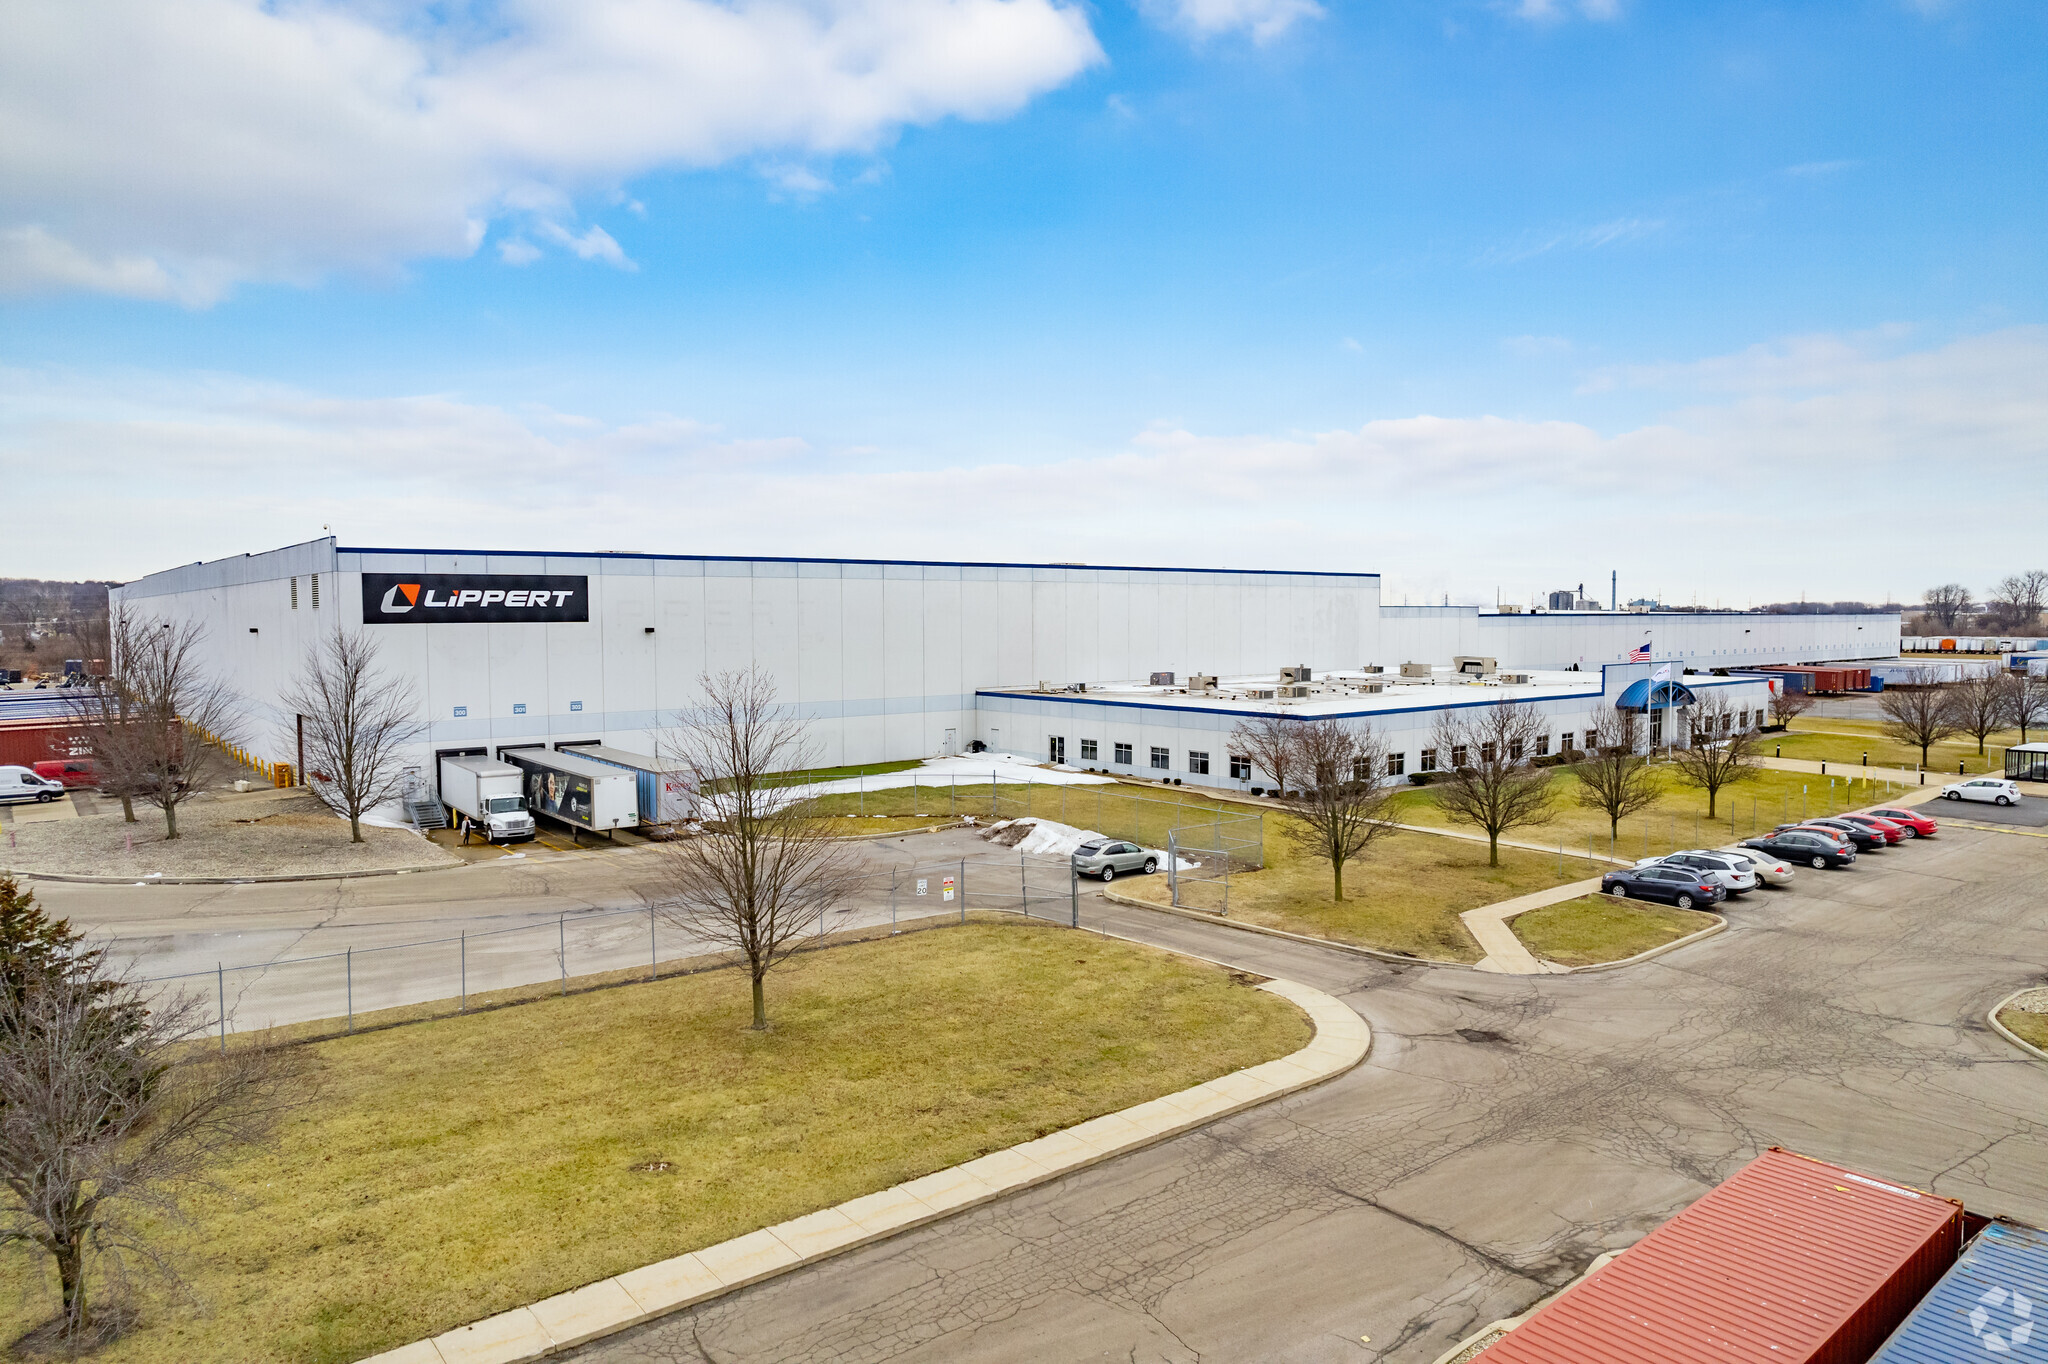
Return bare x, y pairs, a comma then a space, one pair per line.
1597, 928
2028, 1026
460, 1167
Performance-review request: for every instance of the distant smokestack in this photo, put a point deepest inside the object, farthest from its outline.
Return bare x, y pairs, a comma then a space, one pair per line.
1614, 590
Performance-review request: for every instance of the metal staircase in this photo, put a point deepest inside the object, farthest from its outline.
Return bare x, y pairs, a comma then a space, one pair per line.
427, 813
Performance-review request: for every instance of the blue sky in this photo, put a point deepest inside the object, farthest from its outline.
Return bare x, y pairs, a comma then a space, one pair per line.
1485, 297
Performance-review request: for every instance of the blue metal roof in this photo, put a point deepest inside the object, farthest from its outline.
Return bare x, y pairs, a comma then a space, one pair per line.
1992, 1304
1637, 695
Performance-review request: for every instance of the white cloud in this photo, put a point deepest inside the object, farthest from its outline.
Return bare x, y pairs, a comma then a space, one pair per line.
1530, 245
194, 466
1553, 11
592, 244
518, 251
1264, 20
169, 148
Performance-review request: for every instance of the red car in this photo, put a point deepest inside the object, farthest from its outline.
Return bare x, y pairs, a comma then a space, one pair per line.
1893, 831
1916, 824
71, 771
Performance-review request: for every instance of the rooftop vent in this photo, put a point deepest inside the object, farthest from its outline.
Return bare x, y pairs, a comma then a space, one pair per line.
1476, 666
1201, 682
1296, 675
1415, 670
1162, 679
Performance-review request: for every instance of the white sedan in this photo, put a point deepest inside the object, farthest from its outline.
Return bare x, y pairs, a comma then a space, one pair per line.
1773, 871
1997, 790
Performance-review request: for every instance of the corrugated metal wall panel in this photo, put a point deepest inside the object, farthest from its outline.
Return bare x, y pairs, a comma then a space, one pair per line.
1789, 1261
1992, 1304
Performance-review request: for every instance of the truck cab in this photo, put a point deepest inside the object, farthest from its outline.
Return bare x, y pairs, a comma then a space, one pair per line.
488, 793
506, 819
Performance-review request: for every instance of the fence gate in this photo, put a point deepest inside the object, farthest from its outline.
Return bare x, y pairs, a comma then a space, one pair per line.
1202, 856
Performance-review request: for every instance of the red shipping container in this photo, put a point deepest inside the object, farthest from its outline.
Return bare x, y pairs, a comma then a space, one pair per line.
24, 743
1790, 1261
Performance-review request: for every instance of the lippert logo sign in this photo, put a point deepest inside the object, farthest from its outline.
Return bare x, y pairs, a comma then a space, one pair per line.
448, 598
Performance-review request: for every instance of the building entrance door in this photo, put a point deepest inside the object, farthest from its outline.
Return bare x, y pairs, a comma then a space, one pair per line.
1058, 746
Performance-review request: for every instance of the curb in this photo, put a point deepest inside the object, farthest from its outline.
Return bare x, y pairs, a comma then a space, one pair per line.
2007, 1033
1200, 917
1720, 926
227, 880
1342, 1040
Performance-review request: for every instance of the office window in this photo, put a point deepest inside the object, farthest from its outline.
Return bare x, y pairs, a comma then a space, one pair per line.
1087, 750
1592, 740
1742, 719
1240, 767
1457, 756
1727, 723
1514, 750
1486, 752
1428, 760
1361, 769
1123, 754
1397, 764
1564, 742
1543, 745
1162, 759
1198, 763
295, 593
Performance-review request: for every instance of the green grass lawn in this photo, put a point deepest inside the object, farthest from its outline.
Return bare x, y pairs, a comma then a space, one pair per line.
456, 1168
1678, 819
1598, 928
2028, 1027
1120, 810
1405, 897
1827, 739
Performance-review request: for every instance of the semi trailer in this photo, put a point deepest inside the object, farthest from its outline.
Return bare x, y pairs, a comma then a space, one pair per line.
490, 794
665, 795
579, 792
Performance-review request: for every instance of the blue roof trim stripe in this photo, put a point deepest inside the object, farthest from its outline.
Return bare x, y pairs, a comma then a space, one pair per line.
828, 559
1075, 700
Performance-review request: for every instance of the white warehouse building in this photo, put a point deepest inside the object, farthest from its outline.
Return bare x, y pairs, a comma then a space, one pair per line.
888, 659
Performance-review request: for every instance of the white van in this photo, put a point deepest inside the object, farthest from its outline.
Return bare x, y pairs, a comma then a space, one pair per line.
21, 783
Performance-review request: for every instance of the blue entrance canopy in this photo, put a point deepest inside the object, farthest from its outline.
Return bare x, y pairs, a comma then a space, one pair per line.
1638, 696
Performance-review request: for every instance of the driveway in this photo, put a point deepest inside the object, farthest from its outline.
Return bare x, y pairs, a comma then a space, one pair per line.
1503, 1132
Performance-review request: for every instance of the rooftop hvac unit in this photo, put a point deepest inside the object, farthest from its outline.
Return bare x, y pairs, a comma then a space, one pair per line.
1201, 682
1296, 675
1162, 679
1371, 688
1415, 670
1516, 679
1294, 693
1467, 663
1257, 695
1371, 668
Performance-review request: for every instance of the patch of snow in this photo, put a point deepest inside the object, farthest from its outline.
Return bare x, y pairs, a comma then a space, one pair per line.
1050, 838
968, 771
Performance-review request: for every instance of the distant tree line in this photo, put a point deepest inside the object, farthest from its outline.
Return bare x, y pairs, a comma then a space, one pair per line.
2014, 603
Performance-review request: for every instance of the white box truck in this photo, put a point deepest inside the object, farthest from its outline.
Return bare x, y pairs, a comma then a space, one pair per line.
577, 791
489, 793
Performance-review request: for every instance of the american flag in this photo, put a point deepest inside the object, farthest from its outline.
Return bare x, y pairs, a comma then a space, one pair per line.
1639, 654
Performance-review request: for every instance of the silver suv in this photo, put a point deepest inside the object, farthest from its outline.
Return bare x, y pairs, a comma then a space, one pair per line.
1108, 857
1732, 873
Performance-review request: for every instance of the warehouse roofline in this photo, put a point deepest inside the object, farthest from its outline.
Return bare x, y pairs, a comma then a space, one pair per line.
836, 559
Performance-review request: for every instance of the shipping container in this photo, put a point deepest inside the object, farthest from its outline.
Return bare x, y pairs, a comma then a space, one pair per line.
1984, 1307
576, 791
665, 795
1789, 1261
24, 743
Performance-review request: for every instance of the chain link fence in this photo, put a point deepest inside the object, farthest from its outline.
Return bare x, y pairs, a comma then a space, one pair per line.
460, 972
1202, 857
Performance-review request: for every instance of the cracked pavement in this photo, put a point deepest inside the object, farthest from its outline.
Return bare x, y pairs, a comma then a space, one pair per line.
1504, 1131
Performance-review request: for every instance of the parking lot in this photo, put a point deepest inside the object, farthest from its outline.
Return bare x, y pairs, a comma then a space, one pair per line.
1504, 1131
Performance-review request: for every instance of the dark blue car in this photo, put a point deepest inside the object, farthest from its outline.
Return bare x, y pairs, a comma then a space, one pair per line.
1673, 885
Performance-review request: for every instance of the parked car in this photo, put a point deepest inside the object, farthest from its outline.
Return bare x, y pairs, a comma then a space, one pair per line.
1771, 871
70, 771
1817, 848
21, 783
1681, 886
1920, 825
1997, 790
1727, 870
1107, 858
1893, 833
1866, 840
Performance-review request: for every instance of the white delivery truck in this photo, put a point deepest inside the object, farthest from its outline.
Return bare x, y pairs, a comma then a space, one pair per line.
22, 783
577, 791
489, 793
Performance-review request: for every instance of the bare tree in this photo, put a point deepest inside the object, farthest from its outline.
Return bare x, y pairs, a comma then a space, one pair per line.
1918, 713
1981, 705
1720, 754
1270, 742
2029, 703
1615, 778
108, 1110
1788, 705
1343, 807
109, 720
167, 706
1947, 603
1491, 782
358, 721
2016, 601
767, 871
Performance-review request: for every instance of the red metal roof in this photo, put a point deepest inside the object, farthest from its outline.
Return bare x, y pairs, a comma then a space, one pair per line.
1789, 1261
